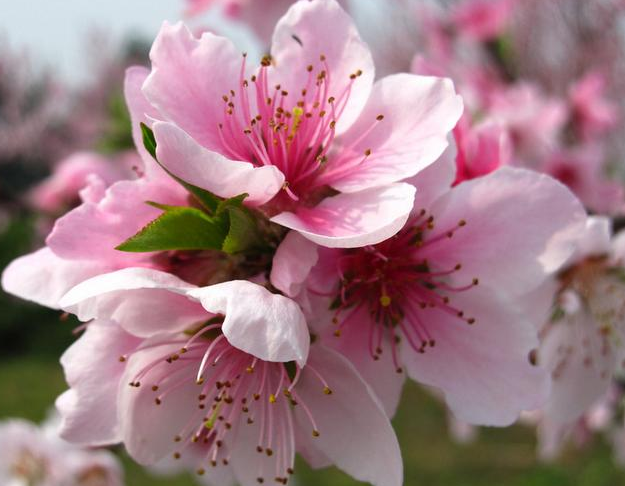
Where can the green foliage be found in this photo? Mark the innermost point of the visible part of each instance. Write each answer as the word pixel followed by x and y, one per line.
pixel 117 132
pixel 179 228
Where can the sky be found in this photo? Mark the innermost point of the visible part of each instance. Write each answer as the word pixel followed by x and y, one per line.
pixel 54 31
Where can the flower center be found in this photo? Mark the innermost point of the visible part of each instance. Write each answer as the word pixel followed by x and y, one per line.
pixel 397 286
pixel 234 389
pixel 294 131
pixel 30 466
pixel 597 289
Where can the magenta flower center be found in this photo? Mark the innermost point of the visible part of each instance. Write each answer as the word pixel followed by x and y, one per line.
pixel 398 287
pixel 294 131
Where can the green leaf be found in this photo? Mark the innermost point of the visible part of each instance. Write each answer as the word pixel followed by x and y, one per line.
pixel 207 199
pixel 242 231
pixel 149 142
pixel 179 228
pixel 236 202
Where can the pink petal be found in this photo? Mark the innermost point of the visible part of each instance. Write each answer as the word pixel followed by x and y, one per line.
pixel 43 277
pixel 520 226
pixel 268 326
pixel 419 112
pixel 93 370
pixel 141 111
pixel 188 79
pixel 380 374
pixel 311 29
pixel 355 433
pixel 483 369
pixel 149 429
pixel 143 301
pixel 188 160
pixel 93 230
pixel 436 179
pixel 353 220
pixel 578 383
pixel 294 259
pixel 594 240
pixel 247 463
pixel 70 176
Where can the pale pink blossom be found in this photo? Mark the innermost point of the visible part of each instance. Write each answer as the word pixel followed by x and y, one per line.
pixel 443 299
pixel 593 113
pixel 221 375
pixel 36 456
pixel 307 124
pixel 82 242
pixel 583 170
pixel 533 119
pixel 259 15
pixel 60 192
pixel 581 345
pixel 482 20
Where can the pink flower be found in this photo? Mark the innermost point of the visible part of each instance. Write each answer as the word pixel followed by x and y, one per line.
pixel 216 375
pixel 533 120
pixel 61 190
pixel 583 170
pixel 482 20
pixel 307 124
pixel 259 15
pixel 582 344
pixel 82 242
pixel 443 299
pixel 37 456
pixel 593 114
pixel 482 148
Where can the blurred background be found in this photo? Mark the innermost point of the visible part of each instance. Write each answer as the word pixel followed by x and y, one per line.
pixel 61 75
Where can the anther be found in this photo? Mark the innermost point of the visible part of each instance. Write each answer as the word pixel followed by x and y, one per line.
pixel 176 455
pixel 269 452
pixel 327 390
pixel 315 433
pixel 379 117
pixel 201 471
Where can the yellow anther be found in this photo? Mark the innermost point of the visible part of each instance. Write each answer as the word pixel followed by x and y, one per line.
pixel 298 112
pixel 385 300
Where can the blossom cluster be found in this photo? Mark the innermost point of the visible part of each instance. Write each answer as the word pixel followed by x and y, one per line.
pixel 296 237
